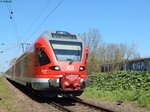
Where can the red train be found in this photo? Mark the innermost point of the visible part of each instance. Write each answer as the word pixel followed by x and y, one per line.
pixel 55 64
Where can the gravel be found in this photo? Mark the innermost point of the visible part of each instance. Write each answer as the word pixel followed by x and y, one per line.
pixel 118 106
pixel 26 104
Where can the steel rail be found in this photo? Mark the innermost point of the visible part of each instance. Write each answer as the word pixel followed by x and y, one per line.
pixel 60 107
pixel 93 106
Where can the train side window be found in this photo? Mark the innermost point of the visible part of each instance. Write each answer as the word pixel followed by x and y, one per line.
pixel 37 57
pixel 24 62
pixel 43 58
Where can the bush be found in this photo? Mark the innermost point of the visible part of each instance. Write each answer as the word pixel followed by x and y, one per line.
pixel 121 81
pixel 121 85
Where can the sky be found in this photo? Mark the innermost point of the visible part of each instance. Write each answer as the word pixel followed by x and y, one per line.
pixel 119 21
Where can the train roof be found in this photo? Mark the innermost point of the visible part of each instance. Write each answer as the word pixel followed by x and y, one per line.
pixel 60 35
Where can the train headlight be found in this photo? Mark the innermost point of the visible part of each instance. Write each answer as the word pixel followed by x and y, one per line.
pixel 81 68
pixel 57 68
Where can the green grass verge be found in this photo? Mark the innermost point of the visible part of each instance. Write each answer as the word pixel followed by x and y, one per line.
pixel 7 101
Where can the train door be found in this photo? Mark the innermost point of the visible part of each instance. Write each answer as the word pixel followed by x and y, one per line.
pixel 44 61
pixel 41 60
pixel 37 63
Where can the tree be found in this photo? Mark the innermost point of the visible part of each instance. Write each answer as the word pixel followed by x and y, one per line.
pixel 114 54
pixel 93 40
pixel 106 53
pixel 130 51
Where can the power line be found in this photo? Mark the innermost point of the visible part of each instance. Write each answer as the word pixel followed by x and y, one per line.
pixel 45 19
pixel 12 17
pixel 33 23
pixel 4 44
pixel 2 51
pixel 15 28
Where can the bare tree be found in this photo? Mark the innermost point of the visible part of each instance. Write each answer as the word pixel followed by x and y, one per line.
pixel 129 51
pixel 93 40
pixel 106 53
pixel 118 53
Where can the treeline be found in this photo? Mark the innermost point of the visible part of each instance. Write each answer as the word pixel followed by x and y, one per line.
pixel 100 52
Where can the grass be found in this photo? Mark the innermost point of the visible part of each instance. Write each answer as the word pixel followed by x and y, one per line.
pixel 140 97
pixel 6 102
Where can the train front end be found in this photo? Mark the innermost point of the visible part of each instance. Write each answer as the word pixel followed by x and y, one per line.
pixel 65 66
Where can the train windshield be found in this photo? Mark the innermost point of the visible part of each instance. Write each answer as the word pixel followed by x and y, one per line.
pixel 67 51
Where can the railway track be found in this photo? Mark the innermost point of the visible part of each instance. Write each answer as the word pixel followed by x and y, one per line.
pixel 76 105
pixel 63 104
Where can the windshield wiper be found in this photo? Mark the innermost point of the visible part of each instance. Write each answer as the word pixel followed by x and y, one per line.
pixel 71 61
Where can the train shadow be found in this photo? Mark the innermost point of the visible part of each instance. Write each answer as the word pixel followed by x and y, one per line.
pixel 40 98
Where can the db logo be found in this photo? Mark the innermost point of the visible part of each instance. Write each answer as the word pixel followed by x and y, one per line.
pixel 44 71
pixel 69 68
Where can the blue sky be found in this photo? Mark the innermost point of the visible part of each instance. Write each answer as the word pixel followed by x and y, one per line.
pixel 119 21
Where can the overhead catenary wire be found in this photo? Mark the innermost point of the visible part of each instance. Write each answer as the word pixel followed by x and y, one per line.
pixel 2 51
pixel 17 34
pixel 12 17
pixel 4 44
pixel 38 16
pixel 52 11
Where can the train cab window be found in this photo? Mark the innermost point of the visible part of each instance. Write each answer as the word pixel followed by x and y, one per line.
pixel 43 58
pixel 67 51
